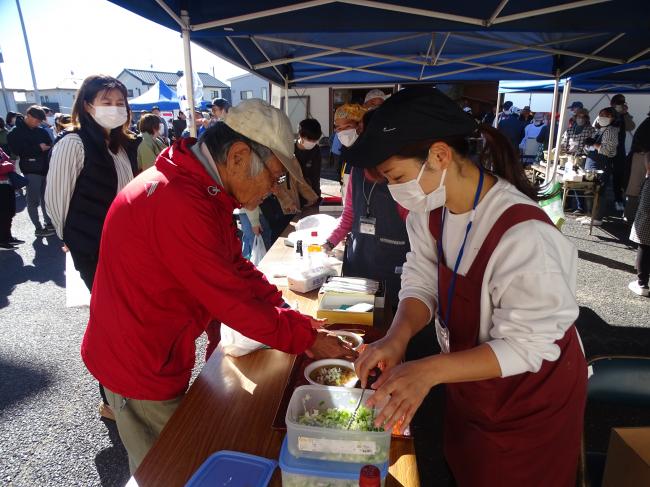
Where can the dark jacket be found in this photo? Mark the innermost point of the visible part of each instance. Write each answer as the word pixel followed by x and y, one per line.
pixel 641 139
pixel 25 142
pixel 513 129
pixel 310 162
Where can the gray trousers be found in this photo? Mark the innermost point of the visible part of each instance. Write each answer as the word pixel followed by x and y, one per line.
pixel 140 423
pixel 36 198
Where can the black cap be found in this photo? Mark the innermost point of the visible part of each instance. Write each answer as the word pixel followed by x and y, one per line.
pixel 409 116
pixel 507 105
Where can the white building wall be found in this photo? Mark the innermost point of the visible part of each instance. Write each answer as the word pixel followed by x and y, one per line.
pixel 258 86
pixel 133 83
pixel 319 104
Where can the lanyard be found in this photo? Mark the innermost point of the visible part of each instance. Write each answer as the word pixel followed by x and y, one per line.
pixel 369 197
pixel 452 286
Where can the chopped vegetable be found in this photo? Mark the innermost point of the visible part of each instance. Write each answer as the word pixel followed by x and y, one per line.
pixel 338 418
pixel 333 375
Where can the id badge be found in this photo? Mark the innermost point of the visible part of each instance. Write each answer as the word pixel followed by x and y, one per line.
pixel 442 334
pixel 367 225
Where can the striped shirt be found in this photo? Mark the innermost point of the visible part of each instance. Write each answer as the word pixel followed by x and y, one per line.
pixel 608 141
pixel 65 167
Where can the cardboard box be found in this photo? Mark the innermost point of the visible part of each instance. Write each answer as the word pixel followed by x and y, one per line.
pixel 628 458
pixel 329 302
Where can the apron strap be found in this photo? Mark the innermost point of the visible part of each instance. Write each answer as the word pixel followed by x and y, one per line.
pixel 514 215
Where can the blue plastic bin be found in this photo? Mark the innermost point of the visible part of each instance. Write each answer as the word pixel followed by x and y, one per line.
pixel 233 469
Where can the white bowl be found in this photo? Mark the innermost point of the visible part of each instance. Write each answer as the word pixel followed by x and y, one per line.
pixel 330 362
pixel 357 339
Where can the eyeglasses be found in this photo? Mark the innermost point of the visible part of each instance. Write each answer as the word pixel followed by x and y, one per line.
pixel 277 180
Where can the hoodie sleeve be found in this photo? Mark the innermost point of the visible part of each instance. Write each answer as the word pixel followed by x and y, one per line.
pixel 197 247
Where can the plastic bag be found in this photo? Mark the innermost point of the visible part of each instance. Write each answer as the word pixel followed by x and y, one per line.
pixel 259 250
pixel 235 344
pixel 553 206
pixel 76 292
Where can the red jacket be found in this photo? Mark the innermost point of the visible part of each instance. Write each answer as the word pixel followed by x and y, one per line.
pixel 169 262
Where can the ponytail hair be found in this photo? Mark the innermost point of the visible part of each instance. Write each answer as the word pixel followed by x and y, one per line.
pixel 497 156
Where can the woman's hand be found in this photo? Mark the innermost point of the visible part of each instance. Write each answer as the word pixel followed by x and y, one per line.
pixel 405 386
pixel 389 351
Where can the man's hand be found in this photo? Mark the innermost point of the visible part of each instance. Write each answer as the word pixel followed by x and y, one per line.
pixel 330 346
pixel 257 229
pixel 44 147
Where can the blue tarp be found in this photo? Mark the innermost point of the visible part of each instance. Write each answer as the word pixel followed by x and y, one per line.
pixel 159 95
pixel 412 41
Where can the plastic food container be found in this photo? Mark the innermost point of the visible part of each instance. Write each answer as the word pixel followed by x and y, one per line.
pixel 305 472
pixel 339 445
pixel 233 469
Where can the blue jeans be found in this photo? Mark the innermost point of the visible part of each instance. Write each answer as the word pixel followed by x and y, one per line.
pixel 248 236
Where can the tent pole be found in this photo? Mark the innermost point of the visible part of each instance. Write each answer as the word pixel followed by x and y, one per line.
pixel 500 97
pixel 189 81
pixel 286 95
pixel 558 139
pixel 551 132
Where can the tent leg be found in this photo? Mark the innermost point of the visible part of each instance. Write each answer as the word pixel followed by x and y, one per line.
pixel 558 139
pixel 500 98
pixel 551 133
pixel 286 96
pixel 187 55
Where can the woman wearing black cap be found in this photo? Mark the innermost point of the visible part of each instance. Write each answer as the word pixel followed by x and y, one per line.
pixel 499 279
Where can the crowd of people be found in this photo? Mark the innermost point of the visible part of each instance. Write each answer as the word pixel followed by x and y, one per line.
pixel 146 213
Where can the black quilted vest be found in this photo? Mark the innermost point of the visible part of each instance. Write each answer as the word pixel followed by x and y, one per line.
pixel 94 191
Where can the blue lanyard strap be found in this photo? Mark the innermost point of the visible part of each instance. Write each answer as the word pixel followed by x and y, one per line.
pixel 452 286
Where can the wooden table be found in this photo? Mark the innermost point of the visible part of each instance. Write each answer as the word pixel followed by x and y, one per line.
pixel 231 406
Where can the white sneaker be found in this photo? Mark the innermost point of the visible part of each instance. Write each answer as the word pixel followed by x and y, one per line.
pixel 582 218
pixel 636 288
pixel 588 221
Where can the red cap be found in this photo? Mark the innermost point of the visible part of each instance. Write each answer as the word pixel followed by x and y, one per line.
pixel 314 234
pixel 370 476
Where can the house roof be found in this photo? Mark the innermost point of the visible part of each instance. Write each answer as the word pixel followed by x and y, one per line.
pixel 170 79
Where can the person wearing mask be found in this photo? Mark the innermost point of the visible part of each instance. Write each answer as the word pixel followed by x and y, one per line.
pixel 48 124
pixel 526 115
pixel 347 121
pixel 573 143
pixel 374 98
pixel 601 152
pixel 374 225
pixel 640 234
pixel 573 109
pixel 7 204
pixel 625 123
pixel 219 108
pixel 31 144
pixel 511 126
pixel 179 125
pixel 10 120
pixel 151 144
pixel 529 145
pixel 171 262
pixel 308 153
pixel 3 136
pixel 164 128
pixel 498 278
pixel 639 152
pixel 88 167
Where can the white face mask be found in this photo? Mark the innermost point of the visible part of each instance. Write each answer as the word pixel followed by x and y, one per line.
pixel 110 117
pixel 411 196
pixel 308 144
pixel 50 121
pixel 618 108
pixel 603 121
pixel 348 136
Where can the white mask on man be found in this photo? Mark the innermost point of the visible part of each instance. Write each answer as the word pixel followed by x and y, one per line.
pixel 348 136
pixel 618 108
pixel 603 121
pixel 308 144
pixel 411 196
pixel 110 117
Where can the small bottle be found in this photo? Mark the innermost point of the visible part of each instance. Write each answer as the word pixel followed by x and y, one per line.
pixel 315 252
pixel 369 476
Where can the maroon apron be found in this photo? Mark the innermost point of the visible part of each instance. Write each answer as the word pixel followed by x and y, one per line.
pixel 523 430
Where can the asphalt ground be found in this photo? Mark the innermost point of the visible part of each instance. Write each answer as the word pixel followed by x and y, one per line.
pixel 50 431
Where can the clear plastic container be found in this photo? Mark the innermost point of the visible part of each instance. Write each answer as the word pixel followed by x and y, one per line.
pixel 305 472
pixel 339 445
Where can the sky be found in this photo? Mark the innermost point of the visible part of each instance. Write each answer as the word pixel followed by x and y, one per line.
pixel 84 37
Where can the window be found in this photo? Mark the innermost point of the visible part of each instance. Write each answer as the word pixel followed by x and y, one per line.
pixel 129 93
pixel 45 99
pixel 265 93
pixel 216 94
pixel 246 95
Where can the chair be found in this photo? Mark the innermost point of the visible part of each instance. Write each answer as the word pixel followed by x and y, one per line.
pixel 616 380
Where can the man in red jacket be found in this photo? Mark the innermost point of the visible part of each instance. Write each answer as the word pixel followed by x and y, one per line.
pixel 170 262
